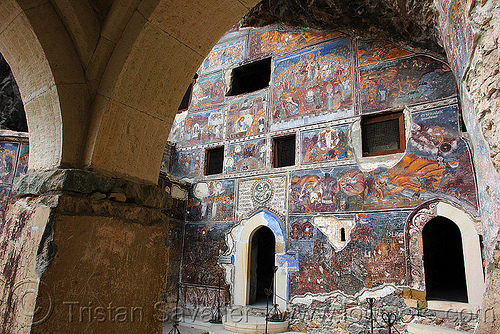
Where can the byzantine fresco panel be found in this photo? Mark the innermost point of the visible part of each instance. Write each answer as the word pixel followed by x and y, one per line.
pixel 246 156
pixel 211 201
pixel 279 41
pixel 206 241
pixel 456 32
pixel 437 164
pixel 326 144
pixel 8 159
pixel 203 127
pixel 316 83
pixel 374 254
pixel 208 91
pixel 405 82
pixel 327 190
pixel 247 116
pixel 176 132
pixel 187 163
pixel 22 164
pixel 224 55
pixel 370 52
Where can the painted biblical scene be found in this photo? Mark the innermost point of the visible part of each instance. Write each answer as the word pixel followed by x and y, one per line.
pixel 456 32
pixel 301 228
pixel 316 83
pixel 212 200
pixel 187 163
pixel 326 144
pixel 327 190
pixel 177 130
pixel 370 52
pixel 24 156
pixel 247 116
pixel 405 82
pixel 203 127
pixel 224 55
pixel 206 242
pixel 375 239
pixel 437 164
pixel 8 159
pixel 208 91
pixel 246 156
pixel 279 40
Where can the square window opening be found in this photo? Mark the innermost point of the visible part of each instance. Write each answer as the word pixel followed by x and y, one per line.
pixel 251 77
pixel 383 134
pixel 284 151
pixel 214 159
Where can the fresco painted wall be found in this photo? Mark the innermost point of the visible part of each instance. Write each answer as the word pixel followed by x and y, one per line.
pixel 343 215
pixel 14 157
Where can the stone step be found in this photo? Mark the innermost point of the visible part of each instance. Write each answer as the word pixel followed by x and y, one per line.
pixel 428 329
pixel 254 325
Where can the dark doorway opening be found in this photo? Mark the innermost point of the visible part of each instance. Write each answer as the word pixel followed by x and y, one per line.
pixel 262 254
pixel 444 261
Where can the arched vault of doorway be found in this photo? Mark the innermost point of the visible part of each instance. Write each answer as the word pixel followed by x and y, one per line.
pixel 470 244
pixel 241 236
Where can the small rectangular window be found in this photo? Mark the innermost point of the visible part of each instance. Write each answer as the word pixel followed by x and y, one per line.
pixel 383 134
pixel 284 151
pixel 251 77
pixel 214 160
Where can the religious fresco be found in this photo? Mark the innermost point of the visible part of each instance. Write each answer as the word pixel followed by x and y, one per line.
pixel 403 82
pixel 22 164
pixel 224 55
pixel 437 164
pixel 246 156
pixel 187 163
pixel 326 144
pixel 456 32
pixel 177 129
pixel 8 159
pixel 281 40
pixel 206 242
pixel 208 91
pixel 370 52
pixel 247 116
pixel 203 127
pixel 327 190
pixel 212 200
pixel 373 256
pixel 316 82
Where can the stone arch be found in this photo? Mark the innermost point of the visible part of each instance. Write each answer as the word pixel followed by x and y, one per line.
pixel 146 78
pixel 470 243
pixel 242 235
pixel 51 80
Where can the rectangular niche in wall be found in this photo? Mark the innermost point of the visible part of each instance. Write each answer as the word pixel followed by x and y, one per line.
pixel 284 151
pixel 383 134
pixel 251 77
pixel 214 159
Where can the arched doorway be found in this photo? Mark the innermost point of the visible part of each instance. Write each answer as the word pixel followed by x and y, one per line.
pixel 262 260
pixel 444 261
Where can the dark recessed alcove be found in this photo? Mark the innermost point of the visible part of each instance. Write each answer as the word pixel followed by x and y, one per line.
pixel 444 261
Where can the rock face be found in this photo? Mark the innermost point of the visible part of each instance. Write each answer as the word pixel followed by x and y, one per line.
pixel 409 22
pixel 12 116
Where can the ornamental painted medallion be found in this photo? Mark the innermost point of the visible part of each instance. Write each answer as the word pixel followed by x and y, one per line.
pixel 262 191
